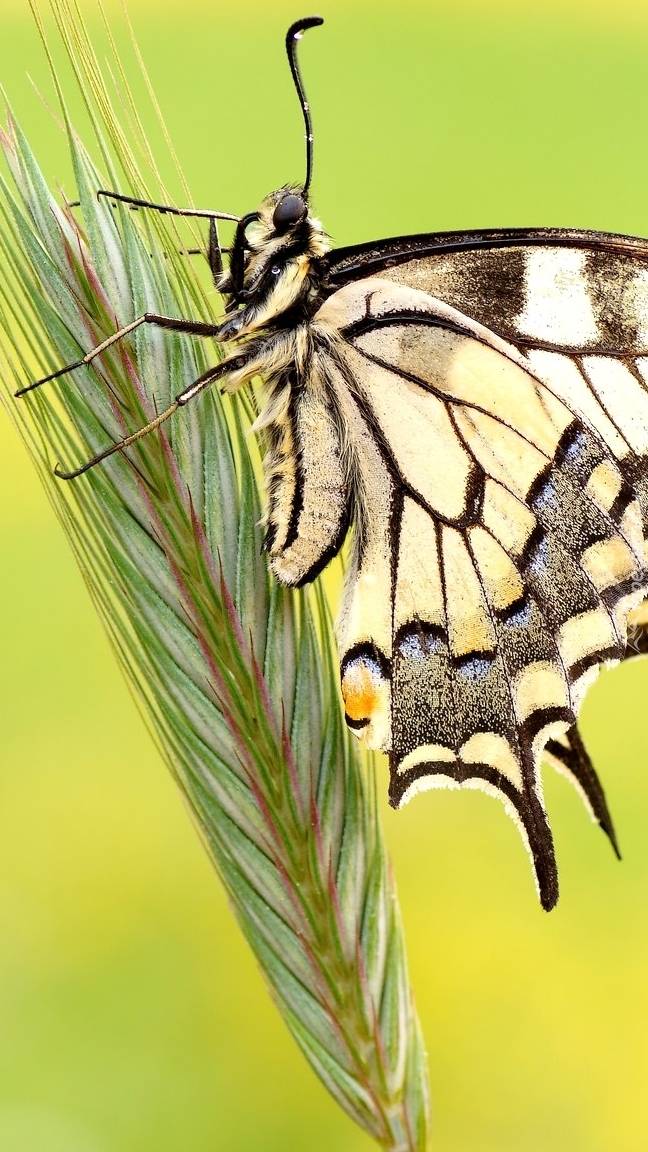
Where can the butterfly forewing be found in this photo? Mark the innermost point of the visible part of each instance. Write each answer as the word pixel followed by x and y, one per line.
pixel 569 289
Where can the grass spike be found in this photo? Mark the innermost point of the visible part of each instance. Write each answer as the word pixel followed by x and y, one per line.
pixel 234 676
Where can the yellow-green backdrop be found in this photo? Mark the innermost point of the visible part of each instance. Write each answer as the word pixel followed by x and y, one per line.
pixel 132 1018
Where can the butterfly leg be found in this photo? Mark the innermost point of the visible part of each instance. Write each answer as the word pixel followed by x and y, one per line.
pixel 165 209
pixel 189 327
pixel 181 399
pixel 240 368
pixel 214 251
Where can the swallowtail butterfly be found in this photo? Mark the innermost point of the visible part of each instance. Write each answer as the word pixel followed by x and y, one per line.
pixel 474 406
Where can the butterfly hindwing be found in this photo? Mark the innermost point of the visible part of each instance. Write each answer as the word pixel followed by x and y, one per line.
pixel 498 549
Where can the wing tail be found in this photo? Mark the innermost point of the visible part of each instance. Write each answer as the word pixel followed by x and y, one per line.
pixel 568 755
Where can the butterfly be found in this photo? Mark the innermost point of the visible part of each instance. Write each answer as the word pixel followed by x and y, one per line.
pixel 473 408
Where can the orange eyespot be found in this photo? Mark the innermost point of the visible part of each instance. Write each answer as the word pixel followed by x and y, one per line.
pixel 360 691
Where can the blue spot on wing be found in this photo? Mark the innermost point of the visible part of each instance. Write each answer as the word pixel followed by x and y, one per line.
pixel 370 664
pixel 520 617
pixel 547 499
pixel 475 668
pixel 576 448
pixel 419 645
pixel 540 558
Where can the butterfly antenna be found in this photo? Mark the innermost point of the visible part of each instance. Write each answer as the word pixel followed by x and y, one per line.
pixel 293 35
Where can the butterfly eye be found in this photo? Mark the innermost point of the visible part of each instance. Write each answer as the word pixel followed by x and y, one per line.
pixel 290 210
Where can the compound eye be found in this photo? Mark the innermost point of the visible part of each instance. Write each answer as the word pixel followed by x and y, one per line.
pixel 289 211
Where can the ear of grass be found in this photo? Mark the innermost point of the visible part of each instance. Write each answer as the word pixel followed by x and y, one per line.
pixel 235 675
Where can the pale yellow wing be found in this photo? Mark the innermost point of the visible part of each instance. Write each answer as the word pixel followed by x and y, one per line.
pixel 499 549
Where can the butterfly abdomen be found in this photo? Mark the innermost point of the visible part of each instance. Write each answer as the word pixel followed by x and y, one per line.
pixel 309 498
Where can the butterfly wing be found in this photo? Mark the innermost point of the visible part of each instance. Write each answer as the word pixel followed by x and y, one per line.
pixel 575 304
pixel 568 755
pixel 558 288
pixel 498 550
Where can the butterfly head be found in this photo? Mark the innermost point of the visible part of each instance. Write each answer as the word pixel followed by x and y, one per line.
pixel 275 262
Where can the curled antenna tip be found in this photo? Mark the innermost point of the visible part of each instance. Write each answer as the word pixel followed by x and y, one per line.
pixel 296 30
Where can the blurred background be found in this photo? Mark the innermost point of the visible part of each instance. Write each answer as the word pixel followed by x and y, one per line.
pixel 132 1018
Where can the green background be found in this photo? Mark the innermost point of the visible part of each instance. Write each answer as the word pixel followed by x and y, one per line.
pixel 131 1016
